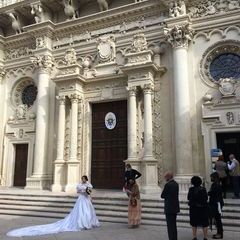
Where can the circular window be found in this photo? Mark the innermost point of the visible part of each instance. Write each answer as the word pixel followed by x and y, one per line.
pixel 222 60
pixel 110 121
pixel 225 66
pixel 29 95
pixel 24 93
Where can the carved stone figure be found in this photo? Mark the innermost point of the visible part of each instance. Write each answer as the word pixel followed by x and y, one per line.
pixel 15 23
pixel 139 43
pixel 40 42
pixel 21 111
pixel 210 9
pixel 233 4
pixel 226 86
pixel 177 9
pixel 69 9
pixel 70 57
pixel 179 35
pixel 230 117
pixel 38 13
pixel 103 5
pixel 106 49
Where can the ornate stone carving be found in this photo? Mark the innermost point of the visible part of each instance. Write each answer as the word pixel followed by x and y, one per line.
pixel 230 118
pixel 227 86
pixel 206 7
pixel 139 43
pixel 148 88
pixel 16 24
pixel 70 57
pixel 2 73
pixel 70 9
pixel 21 111
pixel 177 8
pixel 18 90
pixel 132 90
pixel 40 42
pixel 15 53
pixel 224 47
pixel 103 4
pixel 179 35
pixel 74 98
pixel 61 100
pixel 106 49
pixel 40 14
pixel 43 62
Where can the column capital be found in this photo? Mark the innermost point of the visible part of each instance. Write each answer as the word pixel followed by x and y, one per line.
pixel 61 99
pixel 43 63
pixel 74 98
pixel 148 88
pixel 2 73
pixel 132 90
pixel 179 36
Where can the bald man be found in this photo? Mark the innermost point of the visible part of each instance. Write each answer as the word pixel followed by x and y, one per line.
pixel 171 204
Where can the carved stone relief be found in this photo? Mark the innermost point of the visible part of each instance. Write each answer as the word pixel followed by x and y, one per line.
pixel 106 49
pixel 210 7
pixel 15 53
pixel 223 47
pixel 230 118
pixel 43 62
pixel 177 8
pixel 139 43
pixel 16 23
pixel 179 35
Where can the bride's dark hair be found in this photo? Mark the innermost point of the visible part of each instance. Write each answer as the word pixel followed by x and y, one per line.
pixel 85 176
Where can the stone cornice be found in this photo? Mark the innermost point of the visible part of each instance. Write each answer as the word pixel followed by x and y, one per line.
pixel 18 40
pixel 108 18
pixel 41 29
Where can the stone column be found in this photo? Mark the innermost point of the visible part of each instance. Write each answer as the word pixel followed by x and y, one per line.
pixel 179 36
pixel 43 65
pixel 2 107
pixel 132 124
pixel 59 164
pixel 148 136
pixel 149 163
pixel 73 163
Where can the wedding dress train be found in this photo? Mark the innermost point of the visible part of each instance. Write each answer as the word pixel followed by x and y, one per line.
pixel 81 217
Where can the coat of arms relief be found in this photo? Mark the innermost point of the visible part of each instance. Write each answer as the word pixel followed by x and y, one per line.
pixel 106 49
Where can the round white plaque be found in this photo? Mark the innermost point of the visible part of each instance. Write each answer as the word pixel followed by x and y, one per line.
pixel 110 121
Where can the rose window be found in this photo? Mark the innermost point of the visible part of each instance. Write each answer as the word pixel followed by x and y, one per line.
pixel 29 95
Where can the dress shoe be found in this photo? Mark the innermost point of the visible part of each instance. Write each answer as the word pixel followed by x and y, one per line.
pixel 217 236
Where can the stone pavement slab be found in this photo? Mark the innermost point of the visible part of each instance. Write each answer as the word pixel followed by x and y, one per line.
pixel 107 231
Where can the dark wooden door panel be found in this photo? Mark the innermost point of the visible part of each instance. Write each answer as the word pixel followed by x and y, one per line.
pixel 20 165
pixel 109 147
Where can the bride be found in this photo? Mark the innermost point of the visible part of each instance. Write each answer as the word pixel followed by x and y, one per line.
pixel 81 217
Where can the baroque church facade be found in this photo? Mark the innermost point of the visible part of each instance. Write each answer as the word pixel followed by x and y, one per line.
pixel 87 85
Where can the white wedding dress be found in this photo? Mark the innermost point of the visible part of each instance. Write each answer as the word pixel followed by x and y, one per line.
pixel 81 217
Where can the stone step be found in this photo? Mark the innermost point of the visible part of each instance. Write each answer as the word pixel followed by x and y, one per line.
pixel 109 208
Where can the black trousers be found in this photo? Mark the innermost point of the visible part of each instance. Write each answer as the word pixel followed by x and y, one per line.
pixel 171 220
pixel 219 223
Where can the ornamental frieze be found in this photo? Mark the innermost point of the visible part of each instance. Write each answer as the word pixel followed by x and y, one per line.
pixel 207 8
pixel 15 53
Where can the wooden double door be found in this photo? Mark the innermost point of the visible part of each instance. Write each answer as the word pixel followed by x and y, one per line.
pixel 109 146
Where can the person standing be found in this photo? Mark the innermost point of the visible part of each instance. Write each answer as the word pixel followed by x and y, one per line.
pixel 134 204
pixel 130 173
pixel 198 207
pixel 216 204
pixel 171 204
pixel 221 167
pixel 81 217
pixel 234 171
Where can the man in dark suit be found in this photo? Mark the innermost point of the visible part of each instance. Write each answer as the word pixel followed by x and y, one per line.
pixel 171 204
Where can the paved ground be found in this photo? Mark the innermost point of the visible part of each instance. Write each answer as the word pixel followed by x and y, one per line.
pixel 108 231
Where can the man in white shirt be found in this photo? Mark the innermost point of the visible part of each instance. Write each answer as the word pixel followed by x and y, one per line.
pixel 234 171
